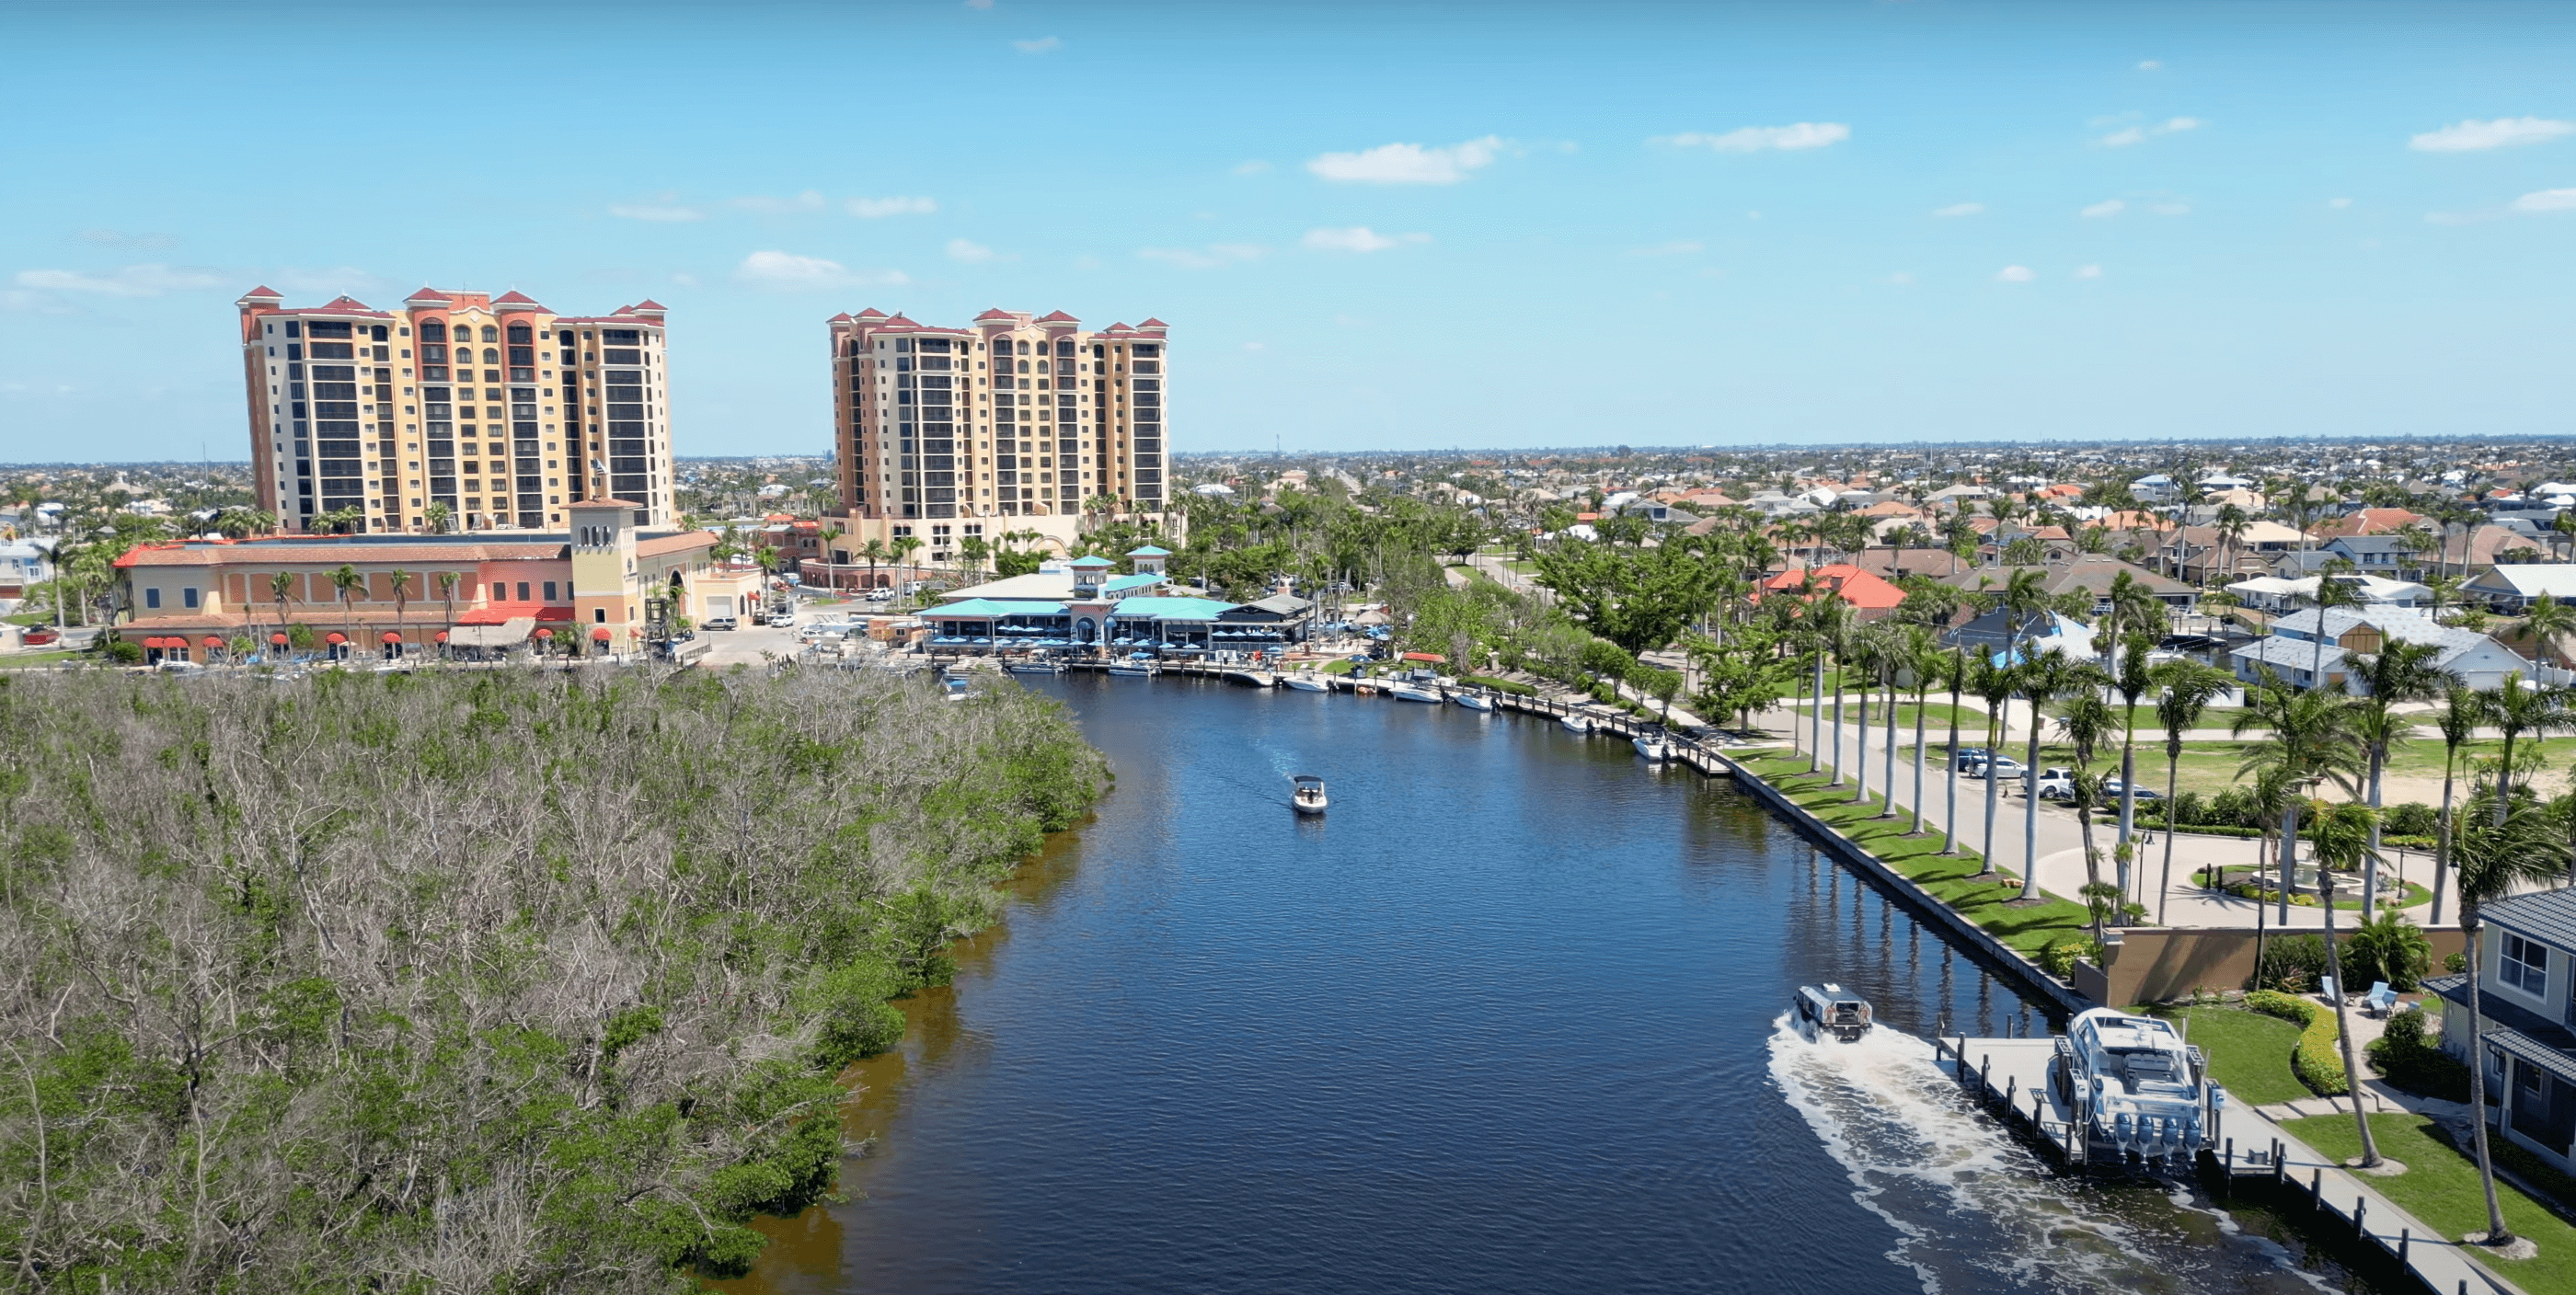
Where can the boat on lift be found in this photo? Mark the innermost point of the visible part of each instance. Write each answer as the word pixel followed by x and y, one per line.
pixel 1308 798
pixel 1307 681
pixel 2136 1089
pixel 1830 1011
pixel 1653 746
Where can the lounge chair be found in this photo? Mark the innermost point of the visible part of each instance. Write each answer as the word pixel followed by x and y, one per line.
pixel 2380 999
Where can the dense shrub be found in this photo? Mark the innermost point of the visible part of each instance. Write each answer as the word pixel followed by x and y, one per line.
pixel 2313 1060
pixel 2414 818
pixel 2407 1055
pixel 2291 962
pixel 2058 957
pixel 2390 948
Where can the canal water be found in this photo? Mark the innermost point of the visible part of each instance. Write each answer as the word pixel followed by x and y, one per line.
pixel 1508 1018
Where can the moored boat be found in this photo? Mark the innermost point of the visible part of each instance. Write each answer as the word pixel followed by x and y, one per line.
pixel 1578 725
pixel 2135 1088
pixel 1830 1010
pixel 1409 691
pixel 1308 798
pixel 1473 700
pixel 1035 667
pixel 1306 681
pixel 1652 746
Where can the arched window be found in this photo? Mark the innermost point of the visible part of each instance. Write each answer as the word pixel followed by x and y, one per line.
pixel 491 355
pixel 433 331
pixel 491 334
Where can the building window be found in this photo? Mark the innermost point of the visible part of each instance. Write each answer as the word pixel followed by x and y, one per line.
pixel 2526 965
pixel 151 597
pixel 550 591
pixel 188 598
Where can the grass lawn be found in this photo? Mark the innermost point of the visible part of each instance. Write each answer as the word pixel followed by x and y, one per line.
pixel 2440 1186
pixel 2249 1053
pixel 2209 767
pixel 1919 858
pixel 1936 722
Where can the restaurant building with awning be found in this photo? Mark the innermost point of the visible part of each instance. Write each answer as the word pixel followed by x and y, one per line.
pixel 392 595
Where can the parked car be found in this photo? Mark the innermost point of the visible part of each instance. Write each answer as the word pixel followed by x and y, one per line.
pixel 880 595
pixel 722 623
pixel 2002 768
pixel 2056 784
pixel 2145 793
pixel 1966 756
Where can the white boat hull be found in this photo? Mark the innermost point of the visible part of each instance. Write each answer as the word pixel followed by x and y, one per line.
pixel 1653 751
pixel 1310 806
pixel 1474 701
pixel 1407 692
pixel 1133 671
pixel 1303 683
pixel 1578 725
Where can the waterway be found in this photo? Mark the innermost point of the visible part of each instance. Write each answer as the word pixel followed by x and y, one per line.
pixel 1508 1018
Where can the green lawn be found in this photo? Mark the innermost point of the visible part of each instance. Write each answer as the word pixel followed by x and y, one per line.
pixel 2249 1053
pixel 25 660
pixel 1919 858
pixel 1936 722
pixel 2440 1186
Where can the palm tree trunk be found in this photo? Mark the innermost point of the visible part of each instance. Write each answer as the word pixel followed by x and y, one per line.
pixel 1861 773
pixel 1950 816
pixel 1816 720
pixel 2442 842
pixel 2030 811
pixel 2286 852
pixel 2496 1233
pixel 2351 1066
pixel 1996 733
pixel 2128 796
pixel 2504 779
pixel 1839 666
pixel 1920 694
pixel 2164 883
pixel 1887 784
pixel 2370 861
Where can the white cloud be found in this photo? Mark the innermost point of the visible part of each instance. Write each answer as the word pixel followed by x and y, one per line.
pixel 126 281
pixel 789 272
pixel 1902 278
pixel 1754 139
pixel 1960 209
pixel 2106 207
pixel 979 4
pixel 765 205
pixel 664 208
pixel 1255 167
pixel 2140 134
pixel 1358 238
pixel 2015 274
pixel 1349 321
pixel 2503 132
pixel 872 208
pixel 1408 163
pixel 1679 247
pixel 962 250
pixel 1041 45
pixel 1213 257
pixel 2088 272
pixel 2545 200
pixel 2149 65
pixel 2338 203
pixel 2172 209
pixel 17 301
pixel 684 279
pixel 1252 346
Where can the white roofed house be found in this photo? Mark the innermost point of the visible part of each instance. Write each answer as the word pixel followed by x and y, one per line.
pixel 2511 588
pixel 2292 650
pixel 2275 594
pixel 2528 961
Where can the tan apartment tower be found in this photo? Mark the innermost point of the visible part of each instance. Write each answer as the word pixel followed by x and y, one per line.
pixel 461 411
pixel 1015 424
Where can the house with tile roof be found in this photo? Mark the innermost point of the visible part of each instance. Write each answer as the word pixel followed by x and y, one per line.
pixel 2526 980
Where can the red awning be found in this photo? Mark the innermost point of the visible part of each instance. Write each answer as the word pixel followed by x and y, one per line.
pixel 213 642
pixel 278 639
pixel 600 633
pixel 151 642
pixel 335 637
pixel 1432 657
pixel 544 633
pixel 391 637
pixel 442 636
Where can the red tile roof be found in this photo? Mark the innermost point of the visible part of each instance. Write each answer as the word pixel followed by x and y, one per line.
pixel 263 293
pixel 514 297
pixel 344 304
pixel 872 313
pixel 427 294
pixel 898 321
pixel 1153 323
pixel 1059 317
pixel 1862 589
pixel 995 313
pixel 842 318
pixel 649 304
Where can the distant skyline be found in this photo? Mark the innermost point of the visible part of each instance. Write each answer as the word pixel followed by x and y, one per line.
pixel 1370 226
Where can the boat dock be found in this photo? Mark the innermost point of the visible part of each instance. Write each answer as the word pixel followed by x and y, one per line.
pixel 2009 1078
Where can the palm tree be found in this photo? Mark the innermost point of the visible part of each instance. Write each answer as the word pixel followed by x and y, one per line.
pixel 2048 676
pixel 2187 689
pixel 1869 656
pixel 831 559
pixel 1995 684
pixel 2463 709
pixel 874 551
pixel 2345 835
pixel 1925 660
pixel 1954 675
pixel 1827 617
pixel 344 582
pixel 2406 672
pixel 2551 622
pixel 401 581
pixel 2135 676
pixel 2233 523
pixel 903 548
pixel 2086 721
pixel 2516 710
pixel 438 515
pixel 2331 593
pixel 281 587
pixel 971 552
pixel 2518 848
pixel 2313 738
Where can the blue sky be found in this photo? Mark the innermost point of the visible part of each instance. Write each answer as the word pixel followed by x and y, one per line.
pixel 1370 226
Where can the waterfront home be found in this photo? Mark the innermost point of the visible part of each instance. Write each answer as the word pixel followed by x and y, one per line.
pixel 2512 589
pixel 2087 573
pixel 1870 595
pixel 2037 634
pixel 2292 653
pixel 2527 973
pixel 24 563
pixel 2275 594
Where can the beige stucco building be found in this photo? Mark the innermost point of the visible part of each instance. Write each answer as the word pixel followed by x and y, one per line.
pixel 1014 424
pixel 461 409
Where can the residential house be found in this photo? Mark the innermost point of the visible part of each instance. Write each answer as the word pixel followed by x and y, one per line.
pixel 2371 521
pixel 2512 588
pixel 2526 972
pixel 2037 634
pixel 2293 654
pixel 2378 555
pixel 2202 555
pixel 2090 573
pixel 1869 595
pixel 2278 594
pixel 24 563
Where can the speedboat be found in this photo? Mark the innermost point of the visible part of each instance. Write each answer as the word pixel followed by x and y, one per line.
pixel 1306 681
pixel 1035 667
pixel 1134 669
pixel 1309 796
pixel 1829 1009
pixel 1407 690
pixel 1652 746
pixel 1578 725
pixel 2136 1089
pixel 1473 700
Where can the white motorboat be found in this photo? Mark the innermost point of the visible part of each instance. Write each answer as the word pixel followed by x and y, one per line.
pixel 1035 667
pixel 1829 1009
pixel 1309 795
pixel 1578 725
pixel 1473 700
pixel 1133 670
pixel 1307 681
pixel 1408 691
pixel 1652 746
pixel 2136 1089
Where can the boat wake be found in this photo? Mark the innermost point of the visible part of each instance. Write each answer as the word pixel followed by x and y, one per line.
pixel 1972 1208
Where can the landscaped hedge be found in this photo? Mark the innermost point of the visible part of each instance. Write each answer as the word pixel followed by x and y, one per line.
pixel 1501 685
pixel 2411 1060
pixel 2313 1060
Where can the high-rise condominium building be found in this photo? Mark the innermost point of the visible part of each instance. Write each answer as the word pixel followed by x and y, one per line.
pixel 940 432
pixel 460 410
